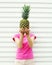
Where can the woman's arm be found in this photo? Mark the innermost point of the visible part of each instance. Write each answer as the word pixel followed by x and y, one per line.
pixel 19 41
pixel 30 40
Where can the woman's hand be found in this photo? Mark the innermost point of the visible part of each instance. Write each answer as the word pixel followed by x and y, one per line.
pixel 27 31
pixel 22 30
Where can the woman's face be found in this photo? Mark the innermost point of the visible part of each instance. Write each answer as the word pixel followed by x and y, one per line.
pixel 24 29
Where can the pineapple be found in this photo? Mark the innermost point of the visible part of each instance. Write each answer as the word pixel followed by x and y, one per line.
pixel 24 23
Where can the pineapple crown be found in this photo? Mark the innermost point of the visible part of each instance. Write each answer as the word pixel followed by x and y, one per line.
pixel 25 13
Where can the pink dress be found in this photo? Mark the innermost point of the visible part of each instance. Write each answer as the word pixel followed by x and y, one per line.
pixel 25 52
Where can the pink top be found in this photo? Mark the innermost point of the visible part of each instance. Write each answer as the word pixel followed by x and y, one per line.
pixel 25 52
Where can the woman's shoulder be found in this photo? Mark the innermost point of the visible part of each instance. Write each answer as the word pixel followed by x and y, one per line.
pixel 16 35
pixel 33 35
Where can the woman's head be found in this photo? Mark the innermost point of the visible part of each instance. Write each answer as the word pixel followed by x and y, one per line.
pixel 24 30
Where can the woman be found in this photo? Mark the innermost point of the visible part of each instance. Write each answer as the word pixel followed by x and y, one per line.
pixel 24 41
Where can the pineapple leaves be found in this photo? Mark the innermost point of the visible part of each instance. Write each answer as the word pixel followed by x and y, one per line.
pixel 26 8
pixel 25 13
pixel 24 23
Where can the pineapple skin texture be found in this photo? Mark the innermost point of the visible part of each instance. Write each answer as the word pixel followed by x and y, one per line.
pixel 24 23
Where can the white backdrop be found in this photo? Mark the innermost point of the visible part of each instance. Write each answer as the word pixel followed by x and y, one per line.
pixel 40 24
